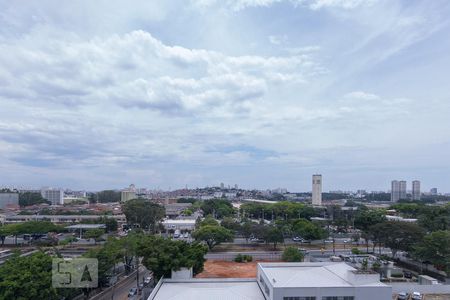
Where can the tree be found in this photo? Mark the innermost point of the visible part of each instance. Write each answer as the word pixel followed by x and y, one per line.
pixel 31 198
pixel 308 230
pixel 209 220
pixel 399 235
pixel 212 235
pixel 218 208
pixel 144 213
pixel 292 254
pixel 246 230
pixel 274 235
pixel 105 196
pixel 94 234
pixel 365 219
pixel 435 247
pixel 231 224
pixel 111 224
pixel 30 277
pixel 164 255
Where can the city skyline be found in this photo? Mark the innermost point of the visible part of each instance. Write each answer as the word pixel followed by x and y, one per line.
pixel 258 93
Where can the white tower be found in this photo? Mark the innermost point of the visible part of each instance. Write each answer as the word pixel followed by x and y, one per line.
pixel 317 190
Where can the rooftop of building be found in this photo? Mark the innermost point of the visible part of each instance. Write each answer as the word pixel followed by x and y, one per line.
pixel 322 274
pixel 199 289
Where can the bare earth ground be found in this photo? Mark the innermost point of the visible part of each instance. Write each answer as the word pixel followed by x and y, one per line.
pixel 228 269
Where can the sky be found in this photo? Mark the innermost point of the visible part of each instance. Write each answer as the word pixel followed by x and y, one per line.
pixel 259 93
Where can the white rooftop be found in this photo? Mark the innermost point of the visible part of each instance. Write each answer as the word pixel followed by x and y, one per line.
pixel 179 221
pixel 217 289
pixel 314 275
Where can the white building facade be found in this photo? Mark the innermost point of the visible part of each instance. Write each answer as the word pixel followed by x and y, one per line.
pixel 55 196
pixel 416 190
pixel 281 281
pixel 317 189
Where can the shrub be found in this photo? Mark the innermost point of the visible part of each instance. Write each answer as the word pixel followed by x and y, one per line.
pixel 356 251
pixel 248 258
pixel 243 258
pixel 292 254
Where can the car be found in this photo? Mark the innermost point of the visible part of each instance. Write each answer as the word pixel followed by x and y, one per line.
pixel 297 239
pixel 407 274
pixel 256 240
pixel 147 280
pixel 186 235
pixel 416 296
pixel 133 292
pixel 402 296
pixel 329 241
pixel 303 250
pixel 141 285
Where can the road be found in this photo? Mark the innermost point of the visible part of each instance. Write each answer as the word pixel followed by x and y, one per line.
pixel 122 288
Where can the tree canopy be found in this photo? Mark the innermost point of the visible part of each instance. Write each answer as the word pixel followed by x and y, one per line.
pixel 218 208
pixel 212 235
pixel 435 248
pixel 292 254
pixel 31 198
pixel 144 213
pixel 399 235
pixel 30 277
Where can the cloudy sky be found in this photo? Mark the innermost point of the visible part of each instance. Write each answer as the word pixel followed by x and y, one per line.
pixel 262 93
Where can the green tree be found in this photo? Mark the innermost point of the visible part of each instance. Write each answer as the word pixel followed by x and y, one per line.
pixel 218 208
pixel 212 235
pixel 308 230
pixel 30 198
pixel 144 213
pixel 273 235
pixel 292 254
pixel 209 220
pixel 231 224
pixel 105 196
pixel 435 247
pixel 94 234
pixel 164 255
pixel 400 235
pixel 29 277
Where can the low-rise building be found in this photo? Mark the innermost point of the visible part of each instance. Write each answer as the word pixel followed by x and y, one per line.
pixel 179 224
pixel 282 281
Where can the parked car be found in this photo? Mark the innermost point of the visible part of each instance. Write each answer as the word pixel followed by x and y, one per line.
pixel 147 280
pixel 186 235
pixel 297 239
pixel 402 296
pixel 133 292
pixel 407 274
pixel 416 296
pixel 303 250
pixel 256 240
pixel 328 241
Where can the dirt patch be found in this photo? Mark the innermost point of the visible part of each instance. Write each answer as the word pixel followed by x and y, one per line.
pixel 228 269
pixel 437 297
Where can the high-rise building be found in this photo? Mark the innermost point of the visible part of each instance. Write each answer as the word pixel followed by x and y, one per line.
pixel 317 189
pixel 398 190
pixel 402 184
pixel 416 190
pixel 222 185
pixel 55 196
pixel 126 195
pixel 395 191
pixel 9 199
pixel 433 191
